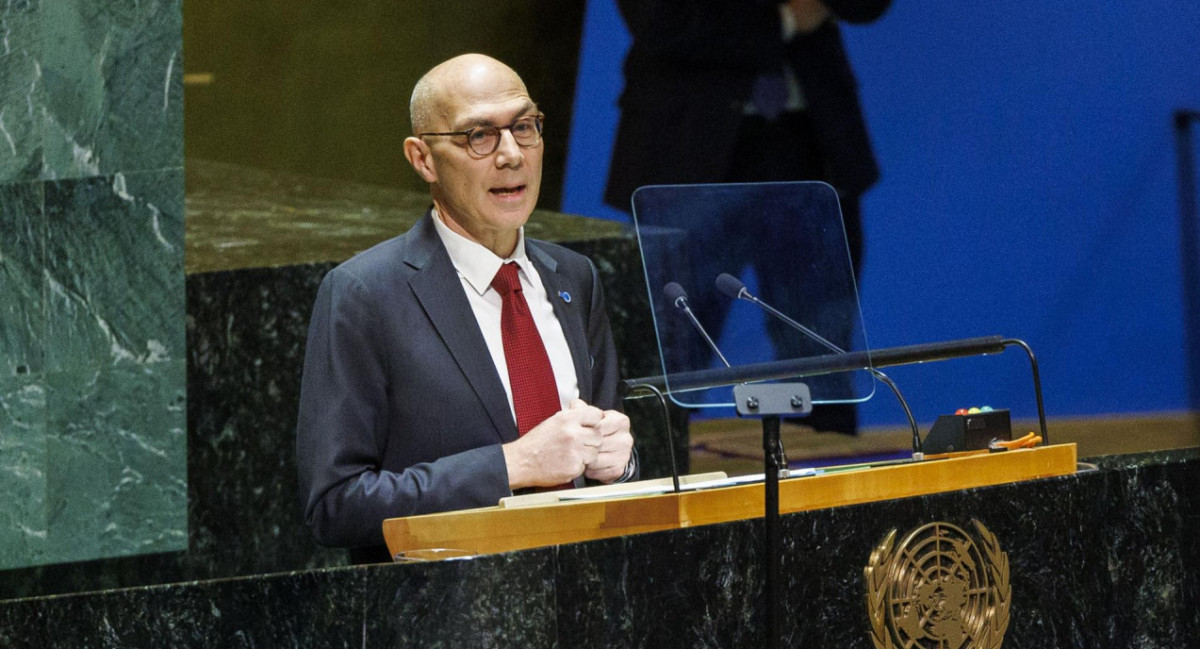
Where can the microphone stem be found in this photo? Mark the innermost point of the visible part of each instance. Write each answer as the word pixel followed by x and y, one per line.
pixel 662 400
pixel 703 332
pixel 795 325
pixel 917 446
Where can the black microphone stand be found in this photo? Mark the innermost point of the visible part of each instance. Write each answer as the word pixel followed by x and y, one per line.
pixel 666 412
pixel 769 401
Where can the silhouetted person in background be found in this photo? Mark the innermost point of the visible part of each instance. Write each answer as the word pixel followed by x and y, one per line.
pixel 727 91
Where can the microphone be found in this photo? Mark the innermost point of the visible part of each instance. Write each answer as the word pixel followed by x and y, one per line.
pixel 734 288
pixel 678 298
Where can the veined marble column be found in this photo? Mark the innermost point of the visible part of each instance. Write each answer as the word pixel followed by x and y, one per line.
pixel 92 358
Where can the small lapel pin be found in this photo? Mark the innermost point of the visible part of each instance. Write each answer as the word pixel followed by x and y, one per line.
pixel 565 296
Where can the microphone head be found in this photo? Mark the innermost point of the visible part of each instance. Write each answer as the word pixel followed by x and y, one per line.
pixel 730 285
pixel 675 293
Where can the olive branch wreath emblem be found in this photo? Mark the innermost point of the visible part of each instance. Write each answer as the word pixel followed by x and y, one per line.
pixel 982 628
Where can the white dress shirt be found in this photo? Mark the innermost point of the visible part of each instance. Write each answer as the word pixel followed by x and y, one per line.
pixel 477 266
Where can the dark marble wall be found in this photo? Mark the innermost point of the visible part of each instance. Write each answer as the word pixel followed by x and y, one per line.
pixel 1099 559
pixel 92 448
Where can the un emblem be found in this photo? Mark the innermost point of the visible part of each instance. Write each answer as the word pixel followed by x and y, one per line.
pixel 938 589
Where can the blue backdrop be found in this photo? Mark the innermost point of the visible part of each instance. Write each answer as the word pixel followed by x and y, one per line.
pixel 1029 190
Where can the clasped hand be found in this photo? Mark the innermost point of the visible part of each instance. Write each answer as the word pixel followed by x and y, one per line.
pixel 580 440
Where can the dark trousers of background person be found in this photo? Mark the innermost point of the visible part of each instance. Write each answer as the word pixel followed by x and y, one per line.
pixel 786 149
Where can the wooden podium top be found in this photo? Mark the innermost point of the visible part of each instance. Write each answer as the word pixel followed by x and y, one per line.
pixel 553 522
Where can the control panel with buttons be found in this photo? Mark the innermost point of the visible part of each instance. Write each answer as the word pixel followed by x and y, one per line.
pixel 968 429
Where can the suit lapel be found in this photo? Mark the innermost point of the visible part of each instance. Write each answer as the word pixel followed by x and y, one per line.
pixel 569 314
pixel 439 291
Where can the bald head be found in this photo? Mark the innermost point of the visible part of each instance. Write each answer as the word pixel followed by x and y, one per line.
pixel 442 88
pixel 485 196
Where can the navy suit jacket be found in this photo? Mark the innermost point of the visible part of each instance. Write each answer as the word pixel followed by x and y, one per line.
pixel 402 411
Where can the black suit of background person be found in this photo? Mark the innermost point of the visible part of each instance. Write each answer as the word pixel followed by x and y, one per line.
pixel 688 114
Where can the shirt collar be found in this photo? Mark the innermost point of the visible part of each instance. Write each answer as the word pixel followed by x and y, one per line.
pixel 475 262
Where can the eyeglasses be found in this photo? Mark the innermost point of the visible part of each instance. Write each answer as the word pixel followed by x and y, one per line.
pixel 484 140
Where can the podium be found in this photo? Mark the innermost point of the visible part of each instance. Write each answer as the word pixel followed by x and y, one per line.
pixel 555 522
pixel 1103 557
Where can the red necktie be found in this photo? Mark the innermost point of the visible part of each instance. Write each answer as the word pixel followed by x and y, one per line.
pixel 534 391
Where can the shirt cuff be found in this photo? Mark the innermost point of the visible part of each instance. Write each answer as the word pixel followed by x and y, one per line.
pixel 631 468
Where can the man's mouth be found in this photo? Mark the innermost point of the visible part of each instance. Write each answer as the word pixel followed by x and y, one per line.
pixel 504 192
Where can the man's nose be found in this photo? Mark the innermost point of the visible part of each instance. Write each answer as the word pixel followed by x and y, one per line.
pixel 508 153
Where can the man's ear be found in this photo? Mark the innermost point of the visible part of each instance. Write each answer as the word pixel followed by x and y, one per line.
pixel 421 158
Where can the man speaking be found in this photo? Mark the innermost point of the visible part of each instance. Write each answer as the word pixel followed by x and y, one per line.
pixel 458 362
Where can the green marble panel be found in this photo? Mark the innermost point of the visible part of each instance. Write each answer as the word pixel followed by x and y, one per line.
pixel 21 96
pixel 112 73
pixel 114 270
pixel 116 482
pixel 92 369
pixel 22 472
pixel 22 241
